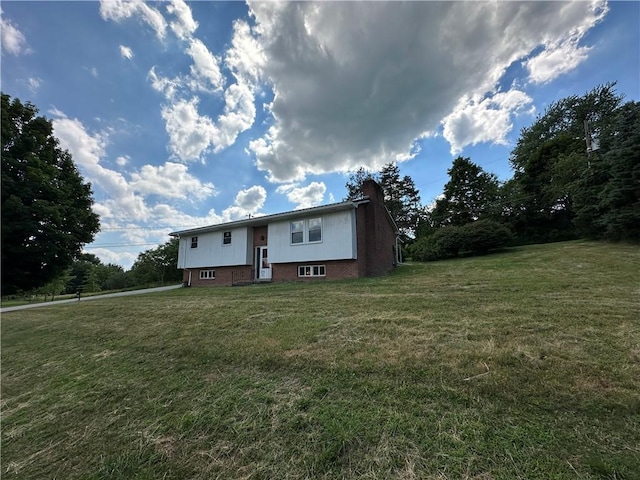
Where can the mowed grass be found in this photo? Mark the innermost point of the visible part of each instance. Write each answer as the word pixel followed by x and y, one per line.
pixel 524 364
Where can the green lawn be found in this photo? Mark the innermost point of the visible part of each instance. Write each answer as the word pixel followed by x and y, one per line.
pixel 524 364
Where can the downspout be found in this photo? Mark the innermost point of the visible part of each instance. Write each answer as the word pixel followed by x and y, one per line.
pixel 398 252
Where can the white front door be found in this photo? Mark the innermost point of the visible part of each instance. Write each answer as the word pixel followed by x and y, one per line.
pixel 263 267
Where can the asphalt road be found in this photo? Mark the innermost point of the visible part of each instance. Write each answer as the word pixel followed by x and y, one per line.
pixel 87 299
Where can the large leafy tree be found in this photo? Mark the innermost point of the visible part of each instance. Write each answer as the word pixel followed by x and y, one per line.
pixel 551 155
pixel 470 194
pixel 401 196
pixel 46 205
pixel 158 265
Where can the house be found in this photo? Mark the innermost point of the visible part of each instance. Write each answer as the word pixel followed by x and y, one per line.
pixel 342 240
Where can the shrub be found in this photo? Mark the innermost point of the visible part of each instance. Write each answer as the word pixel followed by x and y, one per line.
pixel 444 243
pixel 483 235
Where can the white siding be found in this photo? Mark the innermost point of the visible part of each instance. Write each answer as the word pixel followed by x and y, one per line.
pixel 338 240
pixel 212 253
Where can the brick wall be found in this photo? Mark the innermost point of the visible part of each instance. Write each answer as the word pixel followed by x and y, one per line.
pixel 334 270
pixel 224 276
pixel 376 233
pixel 259 237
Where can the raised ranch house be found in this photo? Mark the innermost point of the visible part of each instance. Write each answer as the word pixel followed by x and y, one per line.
pixel 342 240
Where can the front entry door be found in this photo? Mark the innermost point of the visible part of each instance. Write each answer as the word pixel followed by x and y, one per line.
pixel 263 267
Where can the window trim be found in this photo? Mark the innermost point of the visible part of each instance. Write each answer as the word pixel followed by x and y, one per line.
pixel 207 274
pixel 309 271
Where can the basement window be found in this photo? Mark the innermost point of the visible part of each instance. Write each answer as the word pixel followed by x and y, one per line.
pixel 207 274
pixel 311 271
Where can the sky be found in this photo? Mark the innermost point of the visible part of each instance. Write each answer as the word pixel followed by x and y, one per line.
pixel 190 114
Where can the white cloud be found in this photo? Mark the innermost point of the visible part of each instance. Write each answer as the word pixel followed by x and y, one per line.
pixel 555 61
pixel 304 197
pixel 562 52
pixel 118 10
pixel 190 133
pixel 171 180
pixel 33 83
pixel 245 58
pixel 126 52
pixel 488 119
pixel 13 40
pixel 248 202
pixel 184 25
pixel 122 161
pixel 239 115
pixel 205 69
pixel 358 83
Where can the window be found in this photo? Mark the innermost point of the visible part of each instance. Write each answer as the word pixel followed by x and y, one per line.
pixel 306 231
pixel 194 242
pixel 226 238
pixel 297 231
pixel 207 274
pixel 311 271
pixel 315 230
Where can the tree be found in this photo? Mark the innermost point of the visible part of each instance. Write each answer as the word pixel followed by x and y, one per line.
pixel 551 155
pixel 354 184
pixel 469 195
pixel 46 206
pixel 158 265
pixel 401 196
pixel 618 207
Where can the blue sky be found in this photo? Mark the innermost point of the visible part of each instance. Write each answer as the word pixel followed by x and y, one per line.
pixel 187 114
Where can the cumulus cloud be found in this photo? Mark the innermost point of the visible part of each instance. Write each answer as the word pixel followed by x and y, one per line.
pixel 488 119
pixel 171 180
pixel 126 52
pixel 562 52
pixel 205 70
pixel 190 134
pixel 554 61
pixel 357 84
pixel 184 25
pixel 304 197
pixel 13 40
pixel 118 10
pixel 247 203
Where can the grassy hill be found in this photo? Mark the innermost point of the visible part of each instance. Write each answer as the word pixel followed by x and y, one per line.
pixel 524 364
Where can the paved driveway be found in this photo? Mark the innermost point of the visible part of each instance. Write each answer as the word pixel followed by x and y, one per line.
pixel 86 299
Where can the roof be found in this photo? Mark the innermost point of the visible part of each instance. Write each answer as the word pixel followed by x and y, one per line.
pixel 266 219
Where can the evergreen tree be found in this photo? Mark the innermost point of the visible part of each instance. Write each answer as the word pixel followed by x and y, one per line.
pixel 401 196
pixel 470 194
